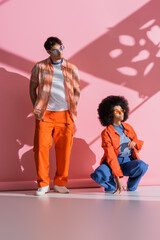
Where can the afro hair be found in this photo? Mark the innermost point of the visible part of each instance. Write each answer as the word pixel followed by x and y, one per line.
pixel 106 109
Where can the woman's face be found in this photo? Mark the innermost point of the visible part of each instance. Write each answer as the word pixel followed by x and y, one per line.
pixel 118 114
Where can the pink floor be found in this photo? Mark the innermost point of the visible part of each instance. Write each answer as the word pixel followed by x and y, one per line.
pixel 84 214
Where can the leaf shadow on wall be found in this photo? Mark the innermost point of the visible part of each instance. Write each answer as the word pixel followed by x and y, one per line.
pixel 128 54
pixel 82 160
pixel 17 128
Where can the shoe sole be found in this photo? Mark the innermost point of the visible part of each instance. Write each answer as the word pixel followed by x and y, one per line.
pixel 60 192
pixel 38 195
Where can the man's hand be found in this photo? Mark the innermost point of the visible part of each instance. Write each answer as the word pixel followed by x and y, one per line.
pixel 131 144
pixel 37 113
pixel 119 185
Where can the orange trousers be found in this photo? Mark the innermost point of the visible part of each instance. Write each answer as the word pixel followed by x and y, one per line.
pixel 60 126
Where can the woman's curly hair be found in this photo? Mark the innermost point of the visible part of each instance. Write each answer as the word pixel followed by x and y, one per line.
pixel 106 109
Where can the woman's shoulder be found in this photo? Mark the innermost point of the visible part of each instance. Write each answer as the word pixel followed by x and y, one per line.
pixel 108 130
pixel 127 126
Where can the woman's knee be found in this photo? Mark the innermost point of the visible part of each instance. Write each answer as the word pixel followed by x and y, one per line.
pixel 102 173
pixel 142 166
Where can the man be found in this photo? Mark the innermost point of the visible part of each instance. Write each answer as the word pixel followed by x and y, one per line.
pixel 55 102
pixel 120 144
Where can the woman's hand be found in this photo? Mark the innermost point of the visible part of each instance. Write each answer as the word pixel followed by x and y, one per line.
pixel 131 144
pixel 119 185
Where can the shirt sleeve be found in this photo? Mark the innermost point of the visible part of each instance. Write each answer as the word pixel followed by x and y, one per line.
pixel 76 86
pixel 35 74
pixel 139 143
pixel 110 155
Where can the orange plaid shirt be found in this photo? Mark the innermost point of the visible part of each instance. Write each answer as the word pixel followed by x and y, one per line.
pixel 42 74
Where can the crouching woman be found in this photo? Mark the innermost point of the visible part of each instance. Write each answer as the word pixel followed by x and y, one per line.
pixel 121 145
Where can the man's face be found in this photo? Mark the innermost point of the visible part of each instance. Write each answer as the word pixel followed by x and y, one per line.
pixel 118 113
pixel 56 52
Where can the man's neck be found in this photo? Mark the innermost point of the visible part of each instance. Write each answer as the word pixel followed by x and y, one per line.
pixel 56 60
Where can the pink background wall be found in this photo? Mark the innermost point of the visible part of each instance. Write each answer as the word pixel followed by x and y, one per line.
pixel 116 46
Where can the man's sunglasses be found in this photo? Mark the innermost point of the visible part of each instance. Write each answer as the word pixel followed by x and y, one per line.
pixel 56 51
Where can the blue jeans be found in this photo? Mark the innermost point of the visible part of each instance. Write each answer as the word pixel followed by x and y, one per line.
pixel 133 168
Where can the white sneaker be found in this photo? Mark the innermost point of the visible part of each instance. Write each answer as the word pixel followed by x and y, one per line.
pixel 42 190
pixel 60 189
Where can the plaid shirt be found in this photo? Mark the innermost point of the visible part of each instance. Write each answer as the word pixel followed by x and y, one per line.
pixel 42 74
